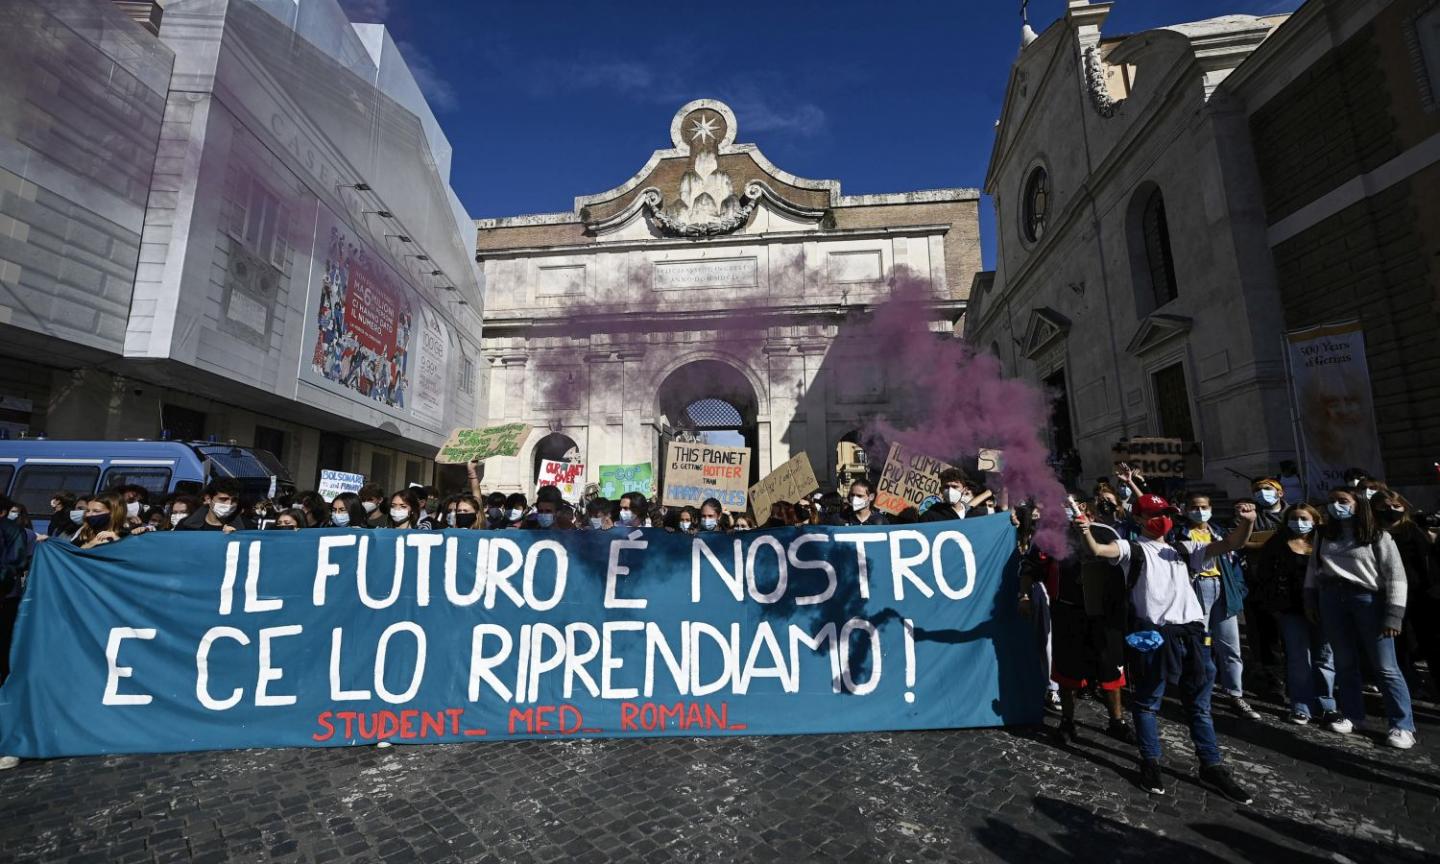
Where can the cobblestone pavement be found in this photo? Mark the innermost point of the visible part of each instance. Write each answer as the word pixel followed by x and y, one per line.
pixel 1005 795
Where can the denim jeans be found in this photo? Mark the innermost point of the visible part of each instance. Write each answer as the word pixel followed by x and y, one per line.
pixel 1224 637
pixel 1040 605
pixel 1352 618
pixel 1197 677
pixel 1309 665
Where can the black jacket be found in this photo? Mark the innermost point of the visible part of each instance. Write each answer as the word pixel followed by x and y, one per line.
pixel 849 518
pixel 941 512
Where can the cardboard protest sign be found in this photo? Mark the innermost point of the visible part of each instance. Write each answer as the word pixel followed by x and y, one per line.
pixel 694 472
pixel 199 640
pixel 569 477
pixel 333 483
pixel 616 480
pixel 465 445
pixel 789 482
pixel 910 479
pixel 1161 457
pixel 990 460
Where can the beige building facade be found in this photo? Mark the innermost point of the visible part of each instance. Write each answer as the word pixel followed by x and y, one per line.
pixel 705 297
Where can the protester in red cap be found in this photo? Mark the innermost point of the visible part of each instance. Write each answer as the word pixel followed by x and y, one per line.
pixel 1165 610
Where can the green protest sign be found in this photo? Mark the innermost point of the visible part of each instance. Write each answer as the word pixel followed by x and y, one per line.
pixel 616 480
pixel 466 445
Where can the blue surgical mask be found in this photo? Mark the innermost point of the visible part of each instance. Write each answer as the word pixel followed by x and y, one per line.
pixel 709 523
pixel 544 520
pixel 340 519
pixel 1301 526
pixel 1267 496
pixel 1125 491
pixel 1199 515
pixel 596 523
pixel 1341 511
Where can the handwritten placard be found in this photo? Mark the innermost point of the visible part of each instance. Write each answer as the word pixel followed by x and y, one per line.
pixel 465 445
pixel 910 479
pixel 694 472
pixel 791 480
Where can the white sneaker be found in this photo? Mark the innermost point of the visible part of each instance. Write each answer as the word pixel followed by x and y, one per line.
pixel 1400 739
pixel 1340 725
pixel 7 762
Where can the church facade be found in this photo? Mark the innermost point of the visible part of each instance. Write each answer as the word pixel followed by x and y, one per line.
pixel 705 298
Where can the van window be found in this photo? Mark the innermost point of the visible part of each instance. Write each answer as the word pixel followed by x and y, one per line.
pixel 35 484
pixel 155 479
pixel 6 472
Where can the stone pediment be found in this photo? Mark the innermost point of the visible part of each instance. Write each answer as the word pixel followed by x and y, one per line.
pixel 1156 330
pixel 1046 327
pixel 706 184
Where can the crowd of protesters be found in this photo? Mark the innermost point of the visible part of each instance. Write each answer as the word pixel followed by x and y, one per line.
pixel 1152 597
pixel 1147 597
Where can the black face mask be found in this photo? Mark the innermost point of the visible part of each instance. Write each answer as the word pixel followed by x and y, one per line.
pixel 462 520
pixel 97 521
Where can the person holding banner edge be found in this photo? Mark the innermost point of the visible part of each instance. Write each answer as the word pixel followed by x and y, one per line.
pixel 1167 638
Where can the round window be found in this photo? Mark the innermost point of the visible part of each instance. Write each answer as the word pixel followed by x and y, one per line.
pixel 1036 204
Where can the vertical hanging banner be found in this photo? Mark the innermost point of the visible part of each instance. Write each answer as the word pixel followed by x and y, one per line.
pixel 1330 384
pixel 331 637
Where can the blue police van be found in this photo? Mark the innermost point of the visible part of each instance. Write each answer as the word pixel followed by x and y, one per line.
pixel 33 470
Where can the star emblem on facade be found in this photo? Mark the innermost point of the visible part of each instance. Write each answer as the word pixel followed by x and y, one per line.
pixel 703 129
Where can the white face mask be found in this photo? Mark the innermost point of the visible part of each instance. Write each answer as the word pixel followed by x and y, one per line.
pixel 626 517
pixel 686 526
pixel 177 518
pixel 132 509
pixel 399 514
pixel 647 524
pixel 515 514
pixel 221 509
pixel 709 522
pixel 77 516
pixel 368 505
pixel 858 503
pixel 1199 515
pixel 596 523
pixel 1369 493
pixel 341 519
pixel 953 495
pixel 544 520
pixel 14 514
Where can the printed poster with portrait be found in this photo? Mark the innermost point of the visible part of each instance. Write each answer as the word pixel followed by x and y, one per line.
pixel 364 330
pixel 1335 411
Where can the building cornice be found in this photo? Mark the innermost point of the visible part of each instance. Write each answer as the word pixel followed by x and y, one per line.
pixel 643 321
pixel 712 242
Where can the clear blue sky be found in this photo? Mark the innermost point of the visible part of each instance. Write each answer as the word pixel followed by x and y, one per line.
pixel 544 101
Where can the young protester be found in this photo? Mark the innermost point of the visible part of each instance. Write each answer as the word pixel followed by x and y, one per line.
pixel 1221 590
pixel 1264 635
pixel 1086 599
pixel 655 516
pixel 632 510
pixel 1394 513
pixel 547 506
pixel 957 494
pixel 290 520
pixel 461 511
pixel 862 507
pixel 317 512
pixel 516 507
pixel 1164 608
pixel 1355 587
pixel 404 512
pixel 221 511
pixel 104 521
pixel 565 516
pixel 712 515
pixel 742 523
pixel 348 511
pixel 14 561
pixel 372 496
pixel 180 508
pixel 598 515
pixel 782 514
pixel 494 510
pixel 64 515
pixel 687 521
pixel 1278 586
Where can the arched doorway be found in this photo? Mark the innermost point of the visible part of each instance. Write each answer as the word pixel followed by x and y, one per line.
pixel 710 401
pixel 556 447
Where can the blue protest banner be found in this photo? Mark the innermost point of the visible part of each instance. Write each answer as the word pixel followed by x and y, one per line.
pixel 191 641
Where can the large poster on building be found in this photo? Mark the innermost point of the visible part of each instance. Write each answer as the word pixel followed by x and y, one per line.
pixel 368 328
pixel 1335 413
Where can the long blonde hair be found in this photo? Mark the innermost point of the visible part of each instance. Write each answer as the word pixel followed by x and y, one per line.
pixel 116 503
